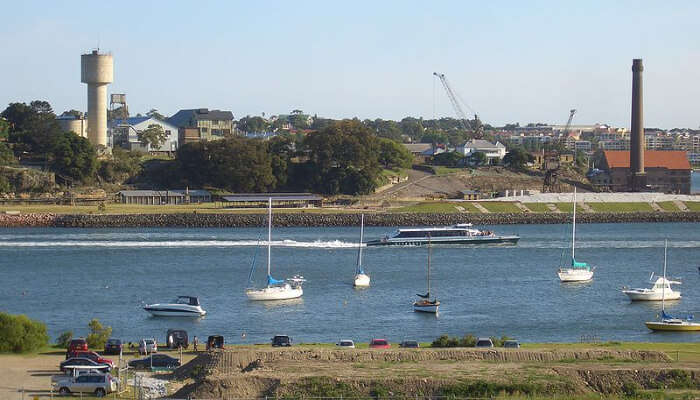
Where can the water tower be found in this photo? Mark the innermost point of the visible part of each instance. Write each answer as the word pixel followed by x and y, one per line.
pixel 97 70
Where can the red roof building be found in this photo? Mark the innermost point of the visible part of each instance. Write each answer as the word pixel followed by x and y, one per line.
pixel 667 171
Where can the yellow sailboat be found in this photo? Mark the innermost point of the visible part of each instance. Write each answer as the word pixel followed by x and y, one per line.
pixel 668 322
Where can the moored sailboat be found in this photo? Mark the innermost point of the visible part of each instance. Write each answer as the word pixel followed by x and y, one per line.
pixel 424 303
pixel 361 278
pixel 578 271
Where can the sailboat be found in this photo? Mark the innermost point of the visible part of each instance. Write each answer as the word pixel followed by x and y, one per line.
pixel 424 304
pixel 289 288
pixel 361 278
pixel 578 271
pixel 669 322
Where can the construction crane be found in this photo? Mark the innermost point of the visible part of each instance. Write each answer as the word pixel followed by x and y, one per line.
pixel 461 115
pixel 551 163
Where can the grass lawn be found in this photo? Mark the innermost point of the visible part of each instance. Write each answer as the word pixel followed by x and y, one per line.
pixel 668 206
pixel 537 207
pixel 693 205
pixel 621 207
pixel 565 207
pixel 500 207
pixel 431 207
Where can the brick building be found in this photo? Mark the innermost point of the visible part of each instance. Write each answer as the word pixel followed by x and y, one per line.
pixel 666 171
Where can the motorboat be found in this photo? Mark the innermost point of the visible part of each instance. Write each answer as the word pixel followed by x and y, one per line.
pixel 577 271
pixel 661 290
pixel 455 234
pixel 289 288
pixel 361 279
pixel 424 303
pixel 184 306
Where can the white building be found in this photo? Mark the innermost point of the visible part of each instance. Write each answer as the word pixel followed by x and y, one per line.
pixel 493 151
pixel 124 133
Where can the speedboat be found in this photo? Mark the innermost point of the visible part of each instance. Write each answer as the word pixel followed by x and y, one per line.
pixel 184 306
pixel 660 291
pixel 455 234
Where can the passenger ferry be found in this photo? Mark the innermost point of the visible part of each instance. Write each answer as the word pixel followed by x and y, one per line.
pixel 456 234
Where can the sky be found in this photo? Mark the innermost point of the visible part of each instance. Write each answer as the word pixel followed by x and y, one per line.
pixel 510 61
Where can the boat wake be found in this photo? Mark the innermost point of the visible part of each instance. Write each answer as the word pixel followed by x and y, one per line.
pixel 320 244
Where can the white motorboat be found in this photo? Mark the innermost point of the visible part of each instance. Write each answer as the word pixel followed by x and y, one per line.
pixel 184 306
pixel 289 288
pixel 578 271
pixel 361 278
pixel 424 303
pixel 660 291
pixel 439 235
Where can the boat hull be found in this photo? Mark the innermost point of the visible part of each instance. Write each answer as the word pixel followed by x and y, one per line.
pixel 663 326
pixel 444 241
pixel 165 310
pixel 426 307
pixel 574 275
pixel 361 280
pixel 274 293
pixel 635 295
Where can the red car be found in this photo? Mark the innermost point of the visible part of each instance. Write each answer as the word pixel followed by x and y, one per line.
pixel 379 344
pixel 79 344
pixel 89 355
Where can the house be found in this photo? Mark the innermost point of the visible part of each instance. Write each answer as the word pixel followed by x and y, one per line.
pixel 423 152
pixel 211 124
pixel 666 171
pixel 494 151
pixel 471 195
pixel 160 197
pixel 124 133
pixel 288 200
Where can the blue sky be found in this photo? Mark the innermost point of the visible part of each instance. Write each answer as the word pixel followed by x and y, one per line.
pixel 511 61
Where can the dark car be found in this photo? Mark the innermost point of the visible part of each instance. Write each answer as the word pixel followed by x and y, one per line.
pixel 215 342
pixel 79 344
pixel 113 346
pixel 511 344
pixel 176 338
pixel 281 341
pixel 409 344
pixel 155 360
pixel 91 355
pixel 83 362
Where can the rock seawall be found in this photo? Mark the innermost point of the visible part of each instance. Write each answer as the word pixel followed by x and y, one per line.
pixel 330 220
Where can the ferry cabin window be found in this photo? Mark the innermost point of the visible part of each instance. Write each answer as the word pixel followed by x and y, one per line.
pixel 423 234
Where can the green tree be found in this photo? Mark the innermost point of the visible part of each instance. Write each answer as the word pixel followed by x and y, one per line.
pixel 155 114
pixel 32 127
pixel 154 135
pixel 63 340
pixel 73 156
pixel 4 128
pixel 6 155
pixel 448 159
pixel 478 158
pixel 122 166
pixel 98 334
pixel 517 158
pixel 393 155
pixel 20 334
pixel 5 186
pixel 253 124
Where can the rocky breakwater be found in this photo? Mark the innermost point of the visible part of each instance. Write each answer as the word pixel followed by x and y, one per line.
pixel 302 219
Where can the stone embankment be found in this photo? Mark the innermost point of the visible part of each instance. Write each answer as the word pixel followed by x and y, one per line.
pixel 330 220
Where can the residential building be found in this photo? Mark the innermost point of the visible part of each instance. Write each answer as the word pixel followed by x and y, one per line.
pixel 160 197
pixel 211 124
pixel 422 152
pixel 666 171
pixel 494 151
pixel 125 133
pixel 471 195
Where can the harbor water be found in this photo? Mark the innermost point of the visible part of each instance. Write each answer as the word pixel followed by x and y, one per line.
pixel 65 277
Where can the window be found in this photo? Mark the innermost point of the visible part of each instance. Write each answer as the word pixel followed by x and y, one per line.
pixel 167 133
pixel 204 130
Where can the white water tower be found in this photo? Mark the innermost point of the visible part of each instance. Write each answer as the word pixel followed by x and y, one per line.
pixel 97 70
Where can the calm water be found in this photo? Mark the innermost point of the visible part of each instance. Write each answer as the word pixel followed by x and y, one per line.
pixel 65 277
pixel 695 182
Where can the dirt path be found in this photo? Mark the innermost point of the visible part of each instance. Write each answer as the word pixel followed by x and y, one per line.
pixel 31 373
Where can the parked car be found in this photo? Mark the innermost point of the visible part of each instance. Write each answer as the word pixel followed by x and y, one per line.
pixel 215 342
pixel 82 361
pixel 379 344
pixel 155 360
pixel 511 344
pixel 176 338
pixel 281 341
pixel 79 344
pixel 348 344
pixel 99 384
pixel 91 355
pixel 113 346
pixel 484 342
pixel 147 346
pixel 409 344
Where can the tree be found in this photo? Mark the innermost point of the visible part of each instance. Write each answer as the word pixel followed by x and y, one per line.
pixel 7 157
pixel 155 114
pixel 448 159
pixel 98 334
pixel 393 155
pixel 20 334
pixel 154 135
pixel 122 166
pixel 121 112
pixel 253 124
pixel 33 127
pixel 517 158
pixel 478 158
pixel 73 156
pixel 63 340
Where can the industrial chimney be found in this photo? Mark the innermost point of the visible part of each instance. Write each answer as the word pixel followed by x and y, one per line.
pixel 97 70
pixel 637 175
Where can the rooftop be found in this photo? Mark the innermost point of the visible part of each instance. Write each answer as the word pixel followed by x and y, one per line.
pixel 652 159
pixel 182 117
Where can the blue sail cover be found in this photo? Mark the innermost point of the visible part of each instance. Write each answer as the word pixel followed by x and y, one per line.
pixel 273 281
pixel 666 316
pixel 576 264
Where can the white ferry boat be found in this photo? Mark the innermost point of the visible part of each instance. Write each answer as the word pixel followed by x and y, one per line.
pixel 456 234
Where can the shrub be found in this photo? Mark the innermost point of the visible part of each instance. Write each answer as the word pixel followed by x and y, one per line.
pixel 446 341
pixel 63 340
pixel 498 342
pixel 467 341
pixel 20 334
pixel 98 334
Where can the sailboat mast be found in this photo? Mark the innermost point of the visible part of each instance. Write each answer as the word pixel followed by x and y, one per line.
pixel 573 230
pixel 663 289
pixel 269 232
pixel 359 246
pixel 430 251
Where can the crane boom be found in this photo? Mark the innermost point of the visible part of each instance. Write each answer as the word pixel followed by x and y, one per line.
pixel 453 99
pixel 568 123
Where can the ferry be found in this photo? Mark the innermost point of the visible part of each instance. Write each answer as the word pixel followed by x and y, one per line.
pixel 455 234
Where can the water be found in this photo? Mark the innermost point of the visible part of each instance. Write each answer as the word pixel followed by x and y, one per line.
pixel 695 182
pixel 65 277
